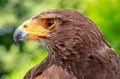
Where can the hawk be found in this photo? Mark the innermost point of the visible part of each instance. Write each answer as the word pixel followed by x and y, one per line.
pixel 76 47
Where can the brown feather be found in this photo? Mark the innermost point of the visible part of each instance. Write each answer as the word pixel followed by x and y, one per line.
pixel 77 50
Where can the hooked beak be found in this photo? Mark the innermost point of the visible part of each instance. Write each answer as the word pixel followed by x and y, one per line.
pixel 30 29
pixel 19 34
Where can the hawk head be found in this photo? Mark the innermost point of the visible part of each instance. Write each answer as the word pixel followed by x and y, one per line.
pixel 62 30
pixel 76 46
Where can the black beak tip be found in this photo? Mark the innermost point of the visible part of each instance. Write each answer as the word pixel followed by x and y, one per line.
pixel 15 39
pixel 15 43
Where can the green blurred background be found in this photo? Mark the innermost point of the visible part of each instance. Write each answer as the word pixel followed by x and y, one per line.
pixel 16 61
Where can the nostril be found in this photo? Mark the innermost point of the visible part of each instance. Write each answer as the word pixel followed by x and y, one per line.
pixel 24 26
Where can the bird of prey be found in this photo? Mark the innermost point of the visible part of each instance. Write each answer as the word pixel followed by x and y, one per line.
pixel 76 47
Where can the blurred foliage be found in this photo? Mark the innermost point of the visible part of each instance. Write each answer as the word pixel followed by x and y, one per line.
pixel 16 61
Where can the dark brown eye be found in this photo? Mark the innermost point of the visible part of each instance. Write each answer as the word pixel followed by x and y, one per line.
pixel 50 22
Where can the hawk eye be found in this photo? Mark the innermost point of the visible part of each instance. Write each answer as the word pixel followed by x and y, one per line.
pixel 50 22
